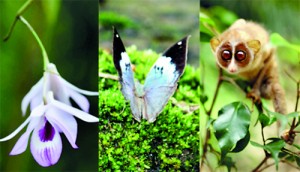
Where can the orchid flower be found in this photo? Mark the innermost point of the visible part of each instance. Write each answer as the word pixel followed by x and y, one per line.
pixel 51 114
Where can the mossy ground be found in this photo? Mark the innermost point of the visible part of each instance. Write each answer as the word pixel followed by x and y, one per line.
pixel 171 143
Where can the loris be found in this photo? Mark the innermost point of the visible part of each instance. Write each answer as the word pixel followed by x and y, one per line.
pixel 244 50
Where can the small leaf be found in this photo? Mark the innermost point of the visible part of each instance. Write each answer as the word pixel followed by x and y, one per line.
pixel 209 122
pixel 227 161
pixel 232 125
pixel 264 120
pixel 296 146
pixel 224 15
pixel 256 144
pixel 282 118
pixel 278 40
pixel 274 148
pixel 203 98
pixel 297 160
pixel 206 19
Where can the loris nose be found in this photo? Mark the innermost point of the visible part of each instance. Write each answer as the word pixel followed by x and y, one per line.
pixel 232 70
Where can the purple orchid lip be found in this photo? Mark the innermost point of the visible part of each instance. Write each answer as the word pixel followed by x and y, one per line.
pixel 47 132
pixel 51 114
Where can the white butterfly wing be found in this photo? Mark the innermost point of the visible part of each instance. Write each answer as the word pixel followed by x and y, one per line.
pixel 123 66
pixel 161 81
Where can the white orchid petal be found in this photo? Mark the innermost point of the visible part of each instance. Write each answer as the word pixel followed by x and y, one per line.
pixel 85 92
pixel 73 111
pixel 13 134
pixel 37 100
pixel 53 82
pixel 22 143
pixel 65 122
pixel 36 90
pixel 46 148
pixel 39 111
pixel 81 100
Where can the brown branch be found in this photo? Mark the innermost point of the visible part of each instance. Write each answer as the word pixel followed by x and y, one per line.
pixel 108 76
pixel 294 124
pixel 185 107
pixel 282 161
pixel 216 92
pixel 209 113
pixel 256 169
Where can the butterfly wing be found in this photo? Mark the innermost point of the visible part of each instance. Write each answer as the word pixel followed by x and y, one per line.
pixel 123 66
pixel 161 81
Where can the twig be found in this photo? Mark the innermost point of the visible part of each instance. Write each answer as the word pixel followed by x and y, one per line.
pixel 185 107
pixel 232 81
pixel 216 92
pixel 261 163
pixel 289 75
pixel 209 113
pixel 19 13
pixel 205 148
pixel 283 161
pixel 108 76
pixel 294 125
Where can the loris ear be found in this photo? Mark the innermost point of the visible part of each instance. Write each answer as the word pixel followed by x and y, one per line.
pixel 254 45
pixel 214 43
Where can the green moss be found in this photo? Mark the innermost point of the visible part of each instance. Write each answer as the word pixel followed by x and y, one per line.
pixel 171 143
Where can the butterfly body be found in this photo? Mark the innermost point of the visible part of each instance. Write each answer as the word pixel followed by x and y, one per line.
pixel 148 100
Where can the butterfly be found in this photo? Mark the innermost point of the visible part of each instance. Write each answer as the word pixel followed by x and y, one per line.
pixel 148 100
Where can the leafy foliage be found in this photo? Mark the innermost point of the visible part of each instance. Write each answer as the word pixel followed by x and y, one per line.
pixel 171 143
pixel 232 126
pixel 274 147
pixel 230 130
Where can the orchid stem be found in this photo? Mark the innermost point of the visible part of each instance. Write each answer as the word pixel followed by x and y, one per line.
pixel 19 13
pixel 45 56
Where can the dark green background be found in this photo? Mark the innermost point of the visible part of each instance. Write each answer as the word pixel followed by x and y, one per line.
pixel 69 32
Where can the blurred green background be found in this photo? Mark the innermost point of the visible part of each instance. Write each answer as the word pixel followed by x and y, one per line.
pixel 155 24
pixel 68 30
pixel 276 16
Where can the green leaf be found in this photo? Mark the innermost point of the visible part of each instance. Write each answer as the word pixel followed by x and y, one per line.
pixel 266 120
pixel 241 144
pixel 232 125
pixel 209 122
pixel 227 161
pixel 256 144
pixel 274 148
pixel 282 118
pixel 224 15
pixel 206 26
pixel 297 160
pixel 296 146
pixel 278 40
pixel 206 19
pixel 203 98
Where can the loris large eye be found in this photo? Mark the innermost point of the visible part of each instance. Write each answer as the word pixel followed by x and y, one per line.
pixel 226 55
pixel 240 55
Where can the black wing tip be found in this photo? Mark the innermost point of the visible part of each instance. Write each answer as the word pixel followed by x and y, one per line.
pixel 185 39
pixel 118 45
pixel 118 48
pixel 116 34
pixel 178 53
